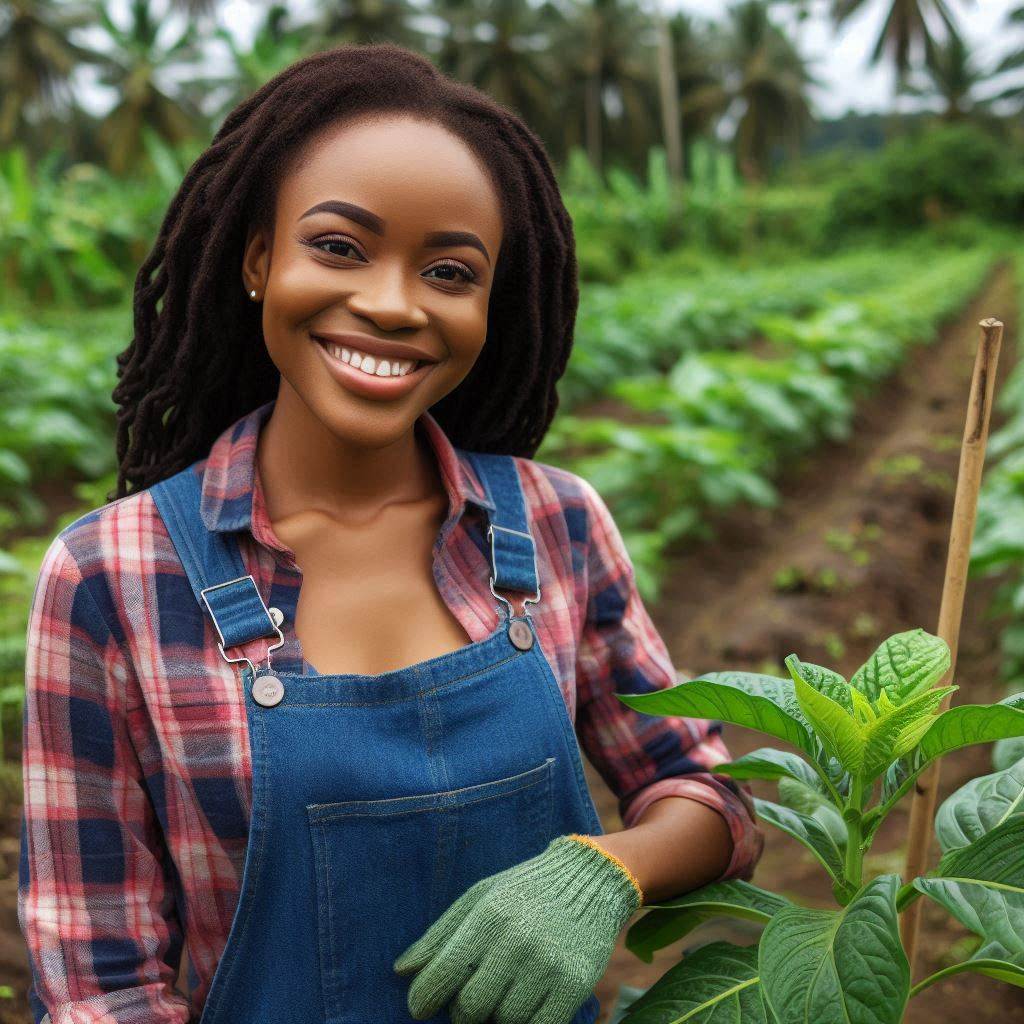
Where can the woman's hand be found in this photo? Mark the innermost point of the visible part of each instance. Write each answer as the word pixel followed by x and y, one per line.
pixel 526 945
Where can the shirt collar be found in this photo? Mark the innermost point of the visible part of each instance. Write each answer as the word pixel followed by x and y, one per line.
pixel 231 491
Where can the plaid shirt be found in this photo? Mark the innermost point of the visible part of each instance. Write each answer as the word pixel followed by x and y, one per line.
pixel 136 764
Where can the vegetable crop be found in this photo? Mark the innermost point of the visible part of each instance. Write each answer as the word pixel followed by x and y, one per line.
pixel 858 746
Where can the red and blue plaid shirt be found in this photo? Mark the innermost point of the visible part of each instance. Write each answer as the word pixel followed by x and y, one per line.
pixel 136 763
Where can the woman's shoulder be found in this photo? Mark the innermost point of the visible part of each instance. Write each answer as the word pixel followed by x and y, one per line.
pixel 553 489
pixel 125 537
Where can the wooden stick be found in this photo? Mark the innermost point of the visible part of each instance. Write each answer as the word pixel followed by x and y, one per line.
pixel 965 506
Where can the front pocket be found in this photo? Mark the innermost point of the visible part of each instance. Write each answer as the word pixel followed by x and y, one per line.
pixel 386 869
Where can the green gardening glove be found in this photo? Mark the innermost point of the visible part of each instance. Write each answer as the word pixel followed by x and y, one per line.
pixel 526 945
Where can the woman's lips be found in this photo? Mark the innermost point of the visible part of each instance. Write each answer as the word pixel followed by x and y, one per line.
pixel 367 385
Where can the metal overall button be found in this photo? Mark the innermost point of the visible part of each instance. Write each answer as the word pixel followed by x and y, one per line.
pixel 267 691
pixel 520 634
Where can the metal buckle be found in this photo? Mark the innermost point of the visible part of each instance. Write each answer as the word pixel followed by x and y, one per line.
pixel 494 566
pixel 220 642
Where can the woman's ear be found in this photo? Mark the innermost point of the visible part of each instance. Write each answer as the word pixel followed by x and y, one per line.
pixel 255 262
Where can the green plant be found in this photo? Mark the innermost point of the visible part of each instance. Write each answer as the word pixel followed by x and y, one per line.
pixel 862 744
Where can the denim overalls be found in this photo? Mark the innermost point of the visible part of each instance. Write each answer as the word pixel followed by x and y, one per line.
pixel 379 799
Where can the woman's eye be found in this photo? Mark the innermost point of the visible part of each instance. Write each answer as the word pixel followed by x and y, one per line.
pixel 456 268
pixel 451 269
pixel 334 241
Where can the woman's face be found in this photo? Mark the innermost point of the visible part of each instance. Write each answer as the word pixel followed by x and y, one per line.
pixel 386 235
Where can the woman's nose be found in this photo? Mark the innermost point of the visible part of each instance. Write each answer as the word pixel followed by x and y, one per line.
pixel 387 294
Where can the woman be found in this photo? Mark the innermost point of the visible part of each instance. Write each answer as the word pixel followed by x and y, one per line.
pixel 288 700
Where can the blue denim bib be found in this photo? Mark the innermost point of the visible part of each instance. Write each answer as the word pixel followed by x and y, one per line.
pixel 378 800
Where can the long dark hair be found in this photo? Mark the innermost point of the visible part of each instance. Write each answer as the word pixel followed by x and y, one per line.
pixel 199 362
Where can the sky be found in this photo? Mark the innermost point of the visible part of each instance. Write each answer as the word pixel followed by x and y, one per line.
pixel 837 58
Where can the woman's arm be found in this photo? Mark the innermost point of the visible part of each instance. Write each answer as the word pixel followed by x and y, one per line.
pixel 677 845
pixel 706 831
pixel 94 901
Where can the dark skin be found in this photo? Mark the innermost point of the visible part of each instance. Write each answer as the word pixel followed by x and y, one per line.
pixel 351 489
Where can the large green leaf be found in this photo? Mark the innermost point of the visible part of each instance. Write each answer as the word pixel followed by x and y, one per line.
pixel 837 967
pixel 991 960
pixel 1007 752
pixel 968 724
pixel 903 666
pixel 824 680
pixel 715 984
pixel 797 795
pixel 764 703
pixel 998 856
pixel 777 689
pixel 839 732
pixel 806 830
pixel 668 921
pixel 979 806
pixel 982 885
pixel 769 763
pixel 897 731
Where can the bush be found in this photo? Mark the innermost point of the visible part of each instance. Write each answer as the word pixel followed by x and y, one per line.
pixel 919 180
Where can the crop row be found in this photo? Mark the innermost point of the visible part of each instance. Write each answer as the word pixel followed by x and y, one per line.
pixel 705 420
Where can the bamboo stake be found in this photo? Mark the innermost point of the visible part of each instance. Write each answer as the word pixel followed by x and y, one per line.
pixel 965 507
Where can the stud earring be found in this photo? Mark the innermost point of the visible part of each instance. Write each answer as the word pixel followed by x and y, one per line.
pixel 252 294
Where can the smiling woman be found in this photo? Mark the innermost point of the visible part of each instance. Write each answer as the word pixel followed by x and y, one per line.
pixel 286 699
pixel 414 284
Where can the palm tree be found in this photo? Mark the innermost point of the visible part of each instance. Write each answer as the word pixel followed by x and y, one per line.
pixel 458 18
pixel 367 21
pixel 762 73
pixel 906 27
pixel 133 68
pixel 276 44
pixel 954 76
pixel 609 93
pixel 510 59
pixel 695 70
pixel 37 59
pixel 1014 60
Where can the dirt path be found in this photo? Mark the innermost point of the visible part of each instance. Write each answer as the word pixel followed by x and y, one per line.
pixel 855 551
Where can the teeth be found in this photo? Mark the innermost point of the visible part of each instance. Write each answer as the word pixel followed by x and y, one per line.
pixel 369 364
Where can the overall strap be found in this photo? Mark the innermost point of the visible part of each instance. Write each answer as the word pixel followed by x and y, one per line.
pixel 213 565
pixel 513 551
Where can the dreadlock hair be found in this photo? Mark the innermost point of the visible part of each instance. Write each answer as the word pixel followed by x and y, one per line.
pixel 197 364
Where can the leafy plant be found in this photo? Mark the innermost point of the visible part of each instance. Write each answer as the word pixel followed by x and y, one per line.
pixel 859 746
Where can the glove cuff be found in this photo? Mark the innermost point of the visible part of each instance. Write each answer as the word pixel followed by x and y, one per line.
pixel 588 840
pixel 591 881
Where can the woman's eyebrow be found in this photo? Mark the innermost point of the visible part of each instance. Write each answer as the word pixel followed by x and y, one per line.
pixel 370 221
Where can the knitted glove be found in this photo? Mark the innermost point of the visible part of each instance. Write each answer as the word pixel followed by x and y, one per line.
pixel 526 945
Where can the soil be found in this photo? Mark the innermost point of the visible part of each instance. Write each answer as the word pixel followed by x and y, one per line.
pixel 854 552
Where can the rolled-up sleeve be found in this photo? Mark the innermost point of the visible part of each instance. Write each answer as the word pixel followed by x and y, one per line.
pixel 95 903
pixel 645 757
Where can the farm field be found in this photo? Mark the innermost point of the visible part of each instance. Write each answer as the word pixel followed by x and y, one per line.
pixel 853 547
pixel 783 581
pixel 774 305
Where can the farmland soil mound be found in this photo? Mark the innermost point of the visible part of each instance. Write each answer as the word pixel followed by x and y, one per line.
pixel 854 552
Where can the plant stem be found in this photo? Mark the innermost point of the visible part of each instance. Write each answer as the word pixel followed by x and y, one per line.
pixel 854 824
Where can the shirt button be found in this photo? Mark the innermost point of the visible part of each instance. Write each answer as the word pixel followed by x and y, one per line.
pixel 267 691
pixel 520 634
pixel 276 615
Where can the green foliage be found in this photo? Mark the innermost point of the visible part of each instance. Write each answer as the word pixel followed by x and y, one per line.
pixel 947 170
pixel 724 379
pixel 56 376
pixel 846 965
